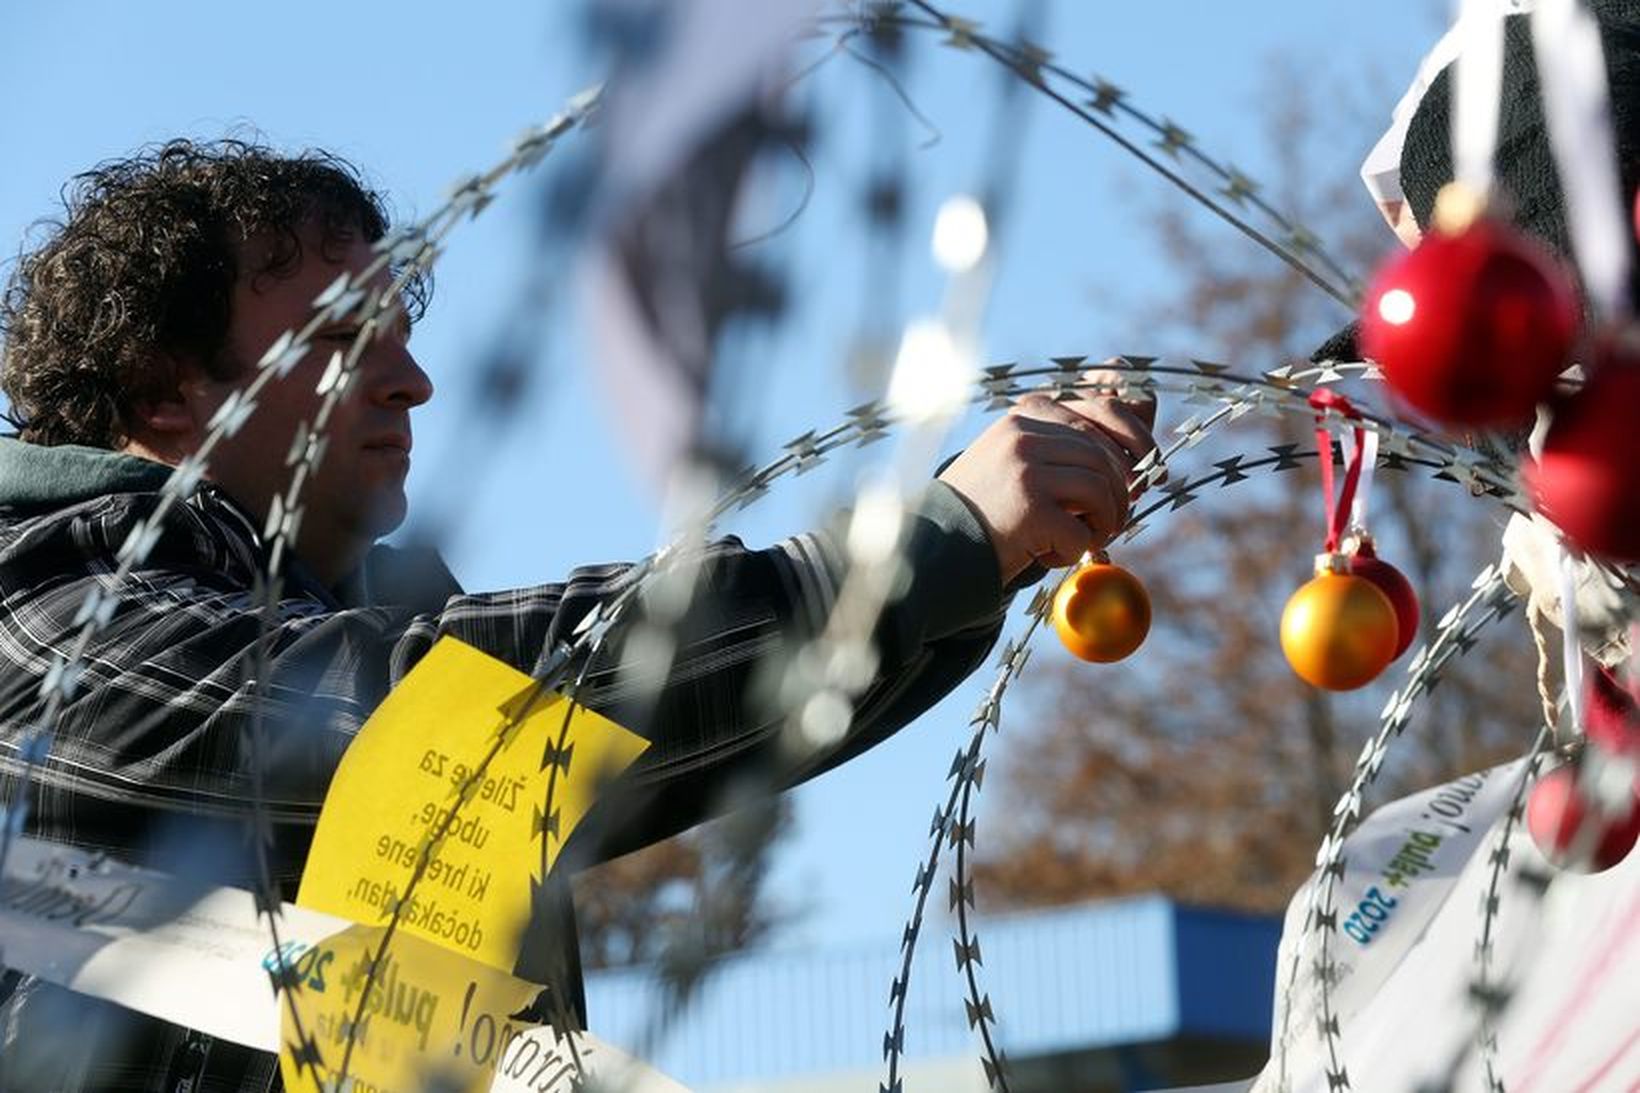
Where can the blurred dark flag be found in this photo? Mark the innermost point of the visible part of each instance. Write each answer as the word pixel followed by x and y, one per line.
pixel 691 102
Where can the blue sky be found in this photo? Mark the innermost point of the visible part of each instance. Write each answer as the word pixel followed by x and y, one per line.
pixel 421 93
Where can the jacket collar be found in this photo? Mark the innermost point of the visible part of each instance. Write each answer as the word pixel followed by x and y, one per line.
pixel 36 476
pixel 40 477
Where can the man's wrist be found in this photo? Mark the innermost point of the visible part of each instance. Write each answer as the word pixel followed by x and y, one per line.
pixel 1008 566
pixel 953 546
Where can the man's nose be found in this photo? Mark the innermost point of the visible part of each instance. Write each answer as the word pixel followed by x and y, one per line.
pixel 398 381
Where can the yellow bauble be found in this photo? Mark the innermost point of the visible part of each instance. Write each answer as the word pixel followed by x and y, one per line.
pixel 1101 612
pixel 1339 631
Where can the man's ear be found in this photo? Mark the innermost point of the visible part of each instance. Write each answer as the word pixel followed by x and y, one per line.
pixel 166 417
pixel 166 423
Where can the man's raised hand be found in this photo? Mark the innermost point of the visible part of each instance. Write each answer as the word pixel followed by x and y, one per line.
pixel 1050 479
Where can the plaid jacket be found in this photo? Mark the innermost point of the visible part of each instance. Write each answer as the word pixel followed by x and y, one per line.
pixel 149 761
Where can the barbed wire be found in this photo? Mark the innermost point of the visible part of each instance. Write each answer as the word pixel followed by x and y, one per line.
pixel 1455 635
pixel 1490 996
pixel 806 449
pixel 411 251
pixel 1278 390
pixel 1103 106
pixel 871 420
pixel 1487 999
pixel 1197 380
pixel 1239 396
pixel 1231 471
pixel 811 447
pixel 1271 393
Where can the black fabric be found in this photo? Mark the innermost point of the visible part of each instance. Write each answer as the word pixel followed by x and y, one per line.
pixel 1523 159
pixel 1342 346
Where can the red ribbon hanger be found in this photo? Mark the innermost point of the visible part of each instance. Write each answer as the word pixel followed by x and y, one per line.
pixel 1323 399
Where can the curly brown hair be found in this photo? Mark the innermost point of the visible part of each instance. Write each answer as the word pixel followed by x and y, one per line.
pixel 141 271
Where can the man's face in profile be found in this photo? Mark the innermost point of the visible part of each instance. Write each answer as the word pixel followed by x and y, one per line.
pixel 357 493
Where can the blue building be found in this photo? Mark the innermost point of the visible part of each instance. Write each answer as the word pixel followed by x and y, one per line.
pixel 1111 996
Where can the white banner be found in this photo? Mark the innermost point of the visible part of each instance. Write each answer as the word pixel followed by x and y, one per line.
pixel 200 957
pixel 1409 910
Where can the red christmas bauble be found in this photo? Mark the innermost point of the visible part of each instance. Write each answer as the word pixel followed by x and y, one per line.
pixel 1395 587
pixel 1588 481
pixel 1556 815
pixel 1473 326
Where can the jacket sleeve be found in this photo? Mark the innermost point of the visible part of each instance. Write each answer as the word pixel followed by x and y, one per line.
pixel 720 729
pixel 162 718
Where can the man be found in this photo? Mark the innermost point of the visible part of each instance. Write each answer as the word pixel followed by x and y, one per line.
pixel 126 332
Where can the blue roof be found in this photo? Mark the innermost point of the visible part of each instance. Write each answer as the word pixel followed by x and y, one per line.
pixel 1088 976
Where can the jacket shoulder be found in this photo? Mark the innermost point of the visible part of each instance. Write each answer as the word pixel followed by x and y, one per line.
pixel 88 538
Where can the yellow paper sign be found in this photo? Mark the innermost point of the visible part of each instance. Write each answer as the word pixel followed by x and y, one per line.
pixel 468 779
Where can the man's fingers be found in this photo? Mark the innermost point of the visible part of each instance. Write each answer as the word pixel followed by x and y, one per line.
pixel 1096 447
pixel 1117 421
pixel 1104 416
pixel 1065 539
pixel 1100 501
pixel 1140 401
pixel 1054 477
